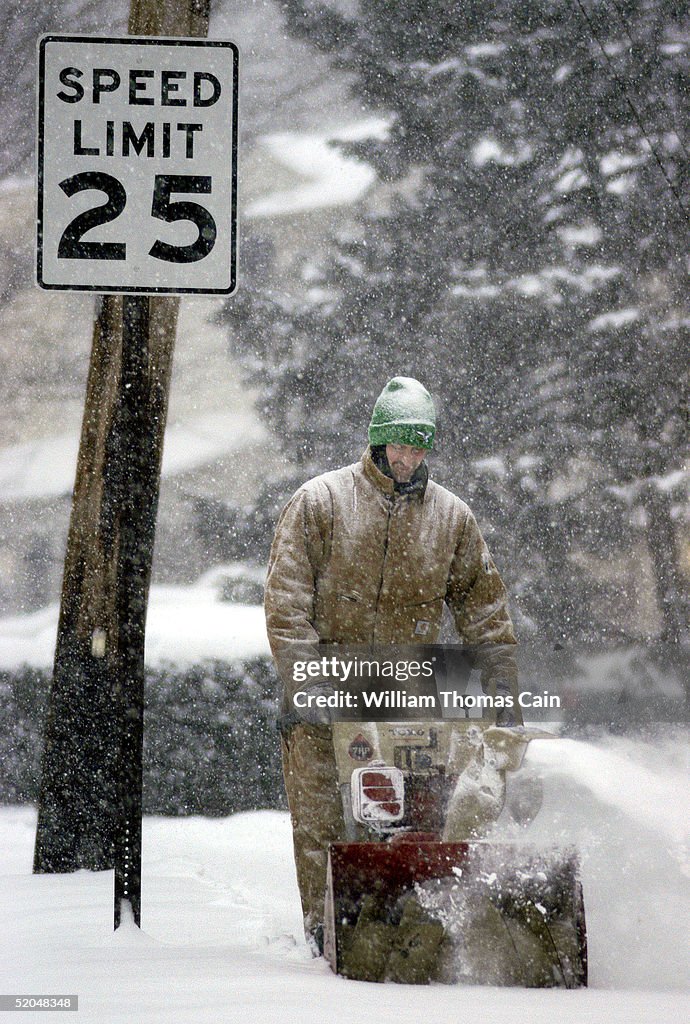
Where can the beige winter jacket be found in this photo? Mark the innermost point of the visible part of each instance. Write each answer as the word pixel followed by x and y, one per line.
pixel 353 562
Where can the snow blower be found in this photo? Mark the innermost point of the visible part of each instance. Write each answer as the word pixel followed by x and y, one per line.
pixel 417 896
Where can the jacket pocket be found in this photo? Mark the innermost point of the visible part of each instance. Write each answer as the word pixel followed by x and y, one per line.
pixel 419 621
pixel 346 616
pixel 340 616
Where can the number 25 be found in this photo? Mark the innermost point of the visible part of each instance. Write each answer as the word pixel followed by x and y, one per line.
pixel 72 246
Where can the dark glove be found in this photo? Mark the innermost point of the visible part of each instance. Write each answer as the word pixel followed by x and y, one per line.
pixel 313 714
pixel 310 715
pixel 507 717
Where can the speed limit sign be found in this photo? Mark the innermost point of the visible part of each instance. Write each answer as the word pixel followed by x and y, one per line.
pixel 137 164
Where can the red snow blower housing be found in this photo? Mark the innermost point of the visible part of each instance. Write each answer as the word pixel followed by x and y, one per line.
pixel 417 895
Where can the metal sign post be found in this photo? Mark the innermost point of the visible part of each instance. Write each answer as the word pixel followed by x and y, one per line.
pixel 138 501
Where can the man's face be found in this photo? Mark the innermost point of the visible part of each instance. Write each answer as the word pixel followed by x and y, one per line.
pixel 403 460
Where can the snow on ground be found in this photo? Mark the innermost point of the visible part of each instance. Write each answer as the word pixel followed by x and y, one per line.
pixel 330 179
pixel 221 937
pixel 624 804
pixel 46 468
pixel 184 625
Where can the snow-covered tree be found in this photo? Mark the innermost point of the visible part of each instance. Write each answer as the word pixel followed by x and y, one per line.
pixel 528 265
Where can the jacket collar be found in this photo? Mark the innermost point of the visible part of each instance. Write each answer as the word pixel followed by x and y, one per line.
pixel 387 485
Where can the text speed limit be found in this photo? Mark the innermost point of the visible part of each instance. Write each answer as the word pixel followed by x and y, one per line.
pixel 137 165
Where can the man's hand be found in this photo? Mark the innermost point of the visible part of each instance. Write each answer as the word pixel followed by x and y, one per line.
pixel 307 712
pixel 313 712
pixel 506 717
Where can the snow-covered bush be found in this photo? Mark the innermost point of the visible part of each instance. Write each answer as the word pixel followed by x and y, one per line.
pixel 210 743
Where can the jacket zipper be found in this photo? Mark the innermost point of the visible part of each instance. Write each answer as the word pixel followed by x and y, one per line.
pixel 383 567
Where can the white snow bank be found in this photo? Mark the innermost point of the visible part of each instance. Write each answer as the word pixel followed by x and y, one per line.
pixel 616 781
pixel 623 804
pixel 39 469
pixel 46 468
pixel 330 178
pixel 222 937
pixel 185 625
pixel 205 438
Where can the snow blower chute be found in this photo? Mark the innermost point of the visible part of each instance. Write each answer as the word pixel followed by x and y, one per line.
pixel 417 896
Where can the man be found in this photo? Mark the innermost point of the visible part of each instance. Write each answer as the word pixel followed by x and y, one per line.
pixel 370 554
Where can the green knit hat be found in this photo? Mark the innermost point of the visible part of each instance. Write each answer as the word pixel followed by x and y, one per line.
pixel 403 414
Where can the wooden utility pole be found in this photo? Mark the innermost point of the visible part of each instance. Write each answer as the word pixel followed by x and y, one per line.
pixel 90 800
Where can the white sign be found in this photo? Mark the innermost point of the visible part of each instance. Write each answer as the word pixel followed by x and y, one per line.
pixel 137 164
